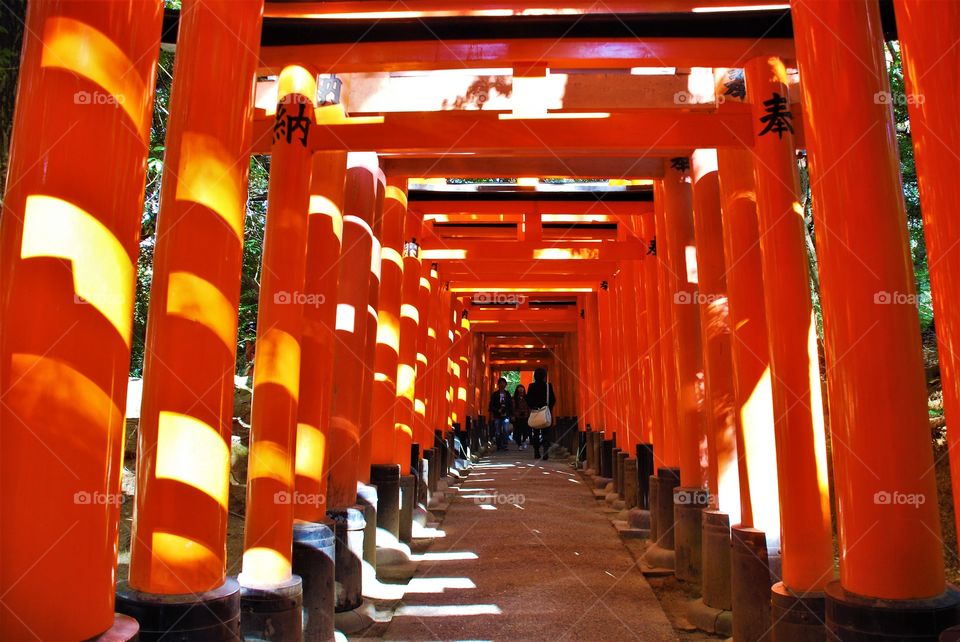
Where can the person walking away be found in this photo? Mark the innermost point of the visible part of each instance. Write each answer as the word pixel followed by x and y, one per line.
pixel 501 408
pixel 539 395
pixel 521 412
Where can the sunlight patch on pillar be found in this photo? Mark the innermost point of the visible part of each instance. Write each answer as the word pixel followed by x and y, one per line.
pixel 760 450
pixel 311 448
pixel 208 176
pixel 83 50
pixel 266 565
pixel 269 460
pixel 278 361
pixel 192 452
pixel 174 553
pixel 195 299
pixel 346 318
pixel 103 274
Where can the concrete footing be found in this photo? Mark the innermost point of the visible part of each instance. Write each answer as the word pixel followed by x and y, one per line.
pixel 124 629
pixel 710 619
pixel 272 613
pixel 367 501
pixel 314 554
pixel 212 615
pixel 750 581
pixel 408 489
pixel 688 529
pixel 852 617
pixel 658 561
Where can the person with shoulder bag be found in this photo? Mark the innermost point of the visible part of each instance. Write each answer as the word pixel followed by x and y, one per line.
pixel 541 400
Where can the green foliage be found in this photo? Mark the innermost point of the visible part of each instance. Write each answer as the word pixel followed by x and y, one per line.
pixel 513 379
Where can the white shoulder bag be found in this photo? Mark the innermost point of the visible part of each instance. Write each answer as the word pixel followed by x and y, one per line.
pixel 541 417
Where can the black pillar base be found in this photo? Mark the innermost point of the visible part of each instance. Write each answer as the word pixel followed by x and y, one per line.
pixel 750 582
pixel 667 479
pixel 367 500
pixel 386 477
pixel 854 618
pixel 272 613
pixel 349 526
pixel 408 490
pixel 212 615
pixel 124 629
pixel 314 553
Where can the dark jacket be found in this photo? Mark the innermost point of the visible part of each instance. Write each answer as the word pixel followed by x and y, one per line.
pixel 501 408
pixel 537 395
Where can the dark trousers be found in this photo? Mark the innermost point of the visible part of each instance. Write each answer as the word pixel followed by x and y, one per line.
pixel 541 438
pixel 500 433
pixel 521 431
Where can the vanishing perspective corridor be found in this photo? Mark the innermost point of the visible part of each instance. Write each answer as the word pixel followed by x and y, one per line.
pixel 527 555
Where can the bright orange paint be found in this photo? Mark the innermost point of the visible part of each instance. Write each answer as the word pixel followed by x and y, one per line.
pixel 325 230
pixel 268 533
pixel 669 454
pixel 68 257
pixel 878 399
pixel 410 319
pixel 179 535
pixel 353 297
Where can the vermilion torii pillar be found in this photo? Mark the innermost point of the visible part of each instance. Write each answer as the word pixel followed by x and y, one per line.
pixel 669 456
pixel 325 232
pixel 67 274
pixel 883 463
pixel 429 306
pixel 353 298
pixel 410 316
pixel 807 555
pixel 651 286
pixel 608 375
pixel 715 332
pixel 268 534
pixel 930 61
pixel 758 530
pixel 178 545
pixel 384 398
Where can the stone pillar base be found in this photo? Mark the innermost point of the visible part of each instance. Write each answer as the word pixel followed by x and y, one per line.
pixel 386 479
pixel 124 629
pixel 367 501
pixel 750 581
pixel 797 617
pixel 630 483
pixel 349 527
pixel 688 508
pixel 194 617
pixel 667 480
pixel 851 617
pixel 408 489
pixel 314 554
pixel 658 561
pixel 715 565
pixel 272 613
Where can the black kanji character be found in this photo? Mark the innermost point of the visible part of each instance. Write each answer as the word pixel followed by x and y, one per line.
pixel 680 163
pixel 652 247
pixel 735 87
pixel 779 118
pixel 287 125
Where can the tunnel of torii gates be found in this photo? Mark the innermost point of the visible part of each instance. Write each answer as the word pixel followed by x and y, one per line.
pixel 669 298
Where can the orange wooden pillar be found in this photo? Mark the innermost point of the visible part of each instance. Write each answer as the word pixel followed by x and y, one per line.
pixel 384 399
pixel 608 395
pixel 429 298
pixel 669 456
pixel 594 382
pixel 325 231
pixel 630 319
pixel 801 452
pixel 353 299
pixel 68 261
pixel 372 330
pixel 179 536
pixel 930 63
pixel 268 535
pixel 715 335
pixel 656 339
pixel 684 297
pixel 463 358
pixel 758 532
pixel 410 319
pixel 887 505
